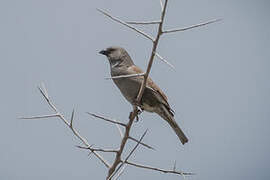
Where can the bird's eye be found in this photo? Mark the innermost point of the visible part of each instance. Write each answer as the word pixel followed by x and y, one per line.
pixel 111 50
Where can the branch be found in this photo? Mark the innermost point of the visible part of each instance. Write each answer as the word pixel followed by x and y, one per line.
pixel 119 123
pixel 125 24
pixel 121 172
pixel 98 149
pixel 126 76
pixel 164 60
pixel 107 119
pixel 143 23
pixel 117 159
pixel 158 169
pixel 44 92
pixel 138 99
pixel 133 139
pixel 40 117
pixel 120 131
pixel 161 5
pixel 128 156
pixel 191 27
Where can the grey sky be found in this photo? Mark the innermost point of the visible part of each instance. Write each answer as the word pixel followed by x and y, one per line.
pixel 219 90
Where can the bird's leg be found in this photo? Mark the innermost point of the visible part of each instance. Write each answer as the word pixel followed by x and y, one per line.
pixel 139 109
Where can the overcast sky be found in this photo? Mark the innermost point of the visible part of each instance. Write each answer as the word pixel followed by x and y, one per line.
pixel 219 90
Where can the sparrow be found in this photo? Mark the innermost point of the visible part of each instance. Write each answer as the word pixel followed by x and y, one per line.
pixel 153 98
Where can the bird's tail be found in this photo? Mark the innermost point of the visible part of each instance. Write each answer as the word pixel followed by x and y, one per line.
pixel 168 116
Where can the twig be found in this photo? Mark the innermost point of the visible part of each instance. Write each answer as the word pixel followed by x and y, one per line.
pixel 121 172
pixel 40 117
pixel 71 119
pixel 126 76
pixel 164 60
pixel 98 149
pixel 174 166
pixel 191 27
pixel 128 156
pixel 120 131
pixel 143 23
pixel 44 92
pixel 161 5
pixel 136 146
pixel 117 159
pixel 158 169
pixel 119 123
pixel 125 24
pixel 150 147
pixel 107 119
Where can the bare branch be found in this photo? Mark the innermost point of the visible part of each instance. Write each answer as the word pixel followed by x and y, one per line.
pixel 158 169
pixel 41 116
pixel 121 172
pixel 135 147
pixel 139 96
pixel 117 159
pixel 98 149
pixel 118 123
pixel 164 60
pixel 128 156
pixel 42 85
pixel 191 27
pixel 126 76
pixel 161 5
pixel 106 119
pixel 143 23
pixel 125 24
pixel 44 92
pixel 120 131
pixel 150 147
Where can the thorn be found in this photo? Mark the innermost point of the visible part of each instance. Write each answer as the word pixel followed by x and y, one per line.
pixel 71 119
pixel 174 166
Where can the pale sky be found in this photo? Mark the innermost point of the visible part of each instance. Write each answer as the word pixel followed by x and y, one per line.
pixel 219 90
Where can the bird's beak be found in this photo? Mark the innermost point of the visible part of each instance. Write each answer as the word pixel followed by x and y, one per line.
pixel 104 52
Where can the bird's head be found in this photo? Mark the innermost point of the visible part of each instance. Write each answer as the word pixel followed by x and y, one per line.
pixel 117 56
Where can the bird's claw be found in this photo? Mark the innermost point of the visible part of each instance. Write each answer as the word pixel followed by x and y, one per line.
pixel 139 111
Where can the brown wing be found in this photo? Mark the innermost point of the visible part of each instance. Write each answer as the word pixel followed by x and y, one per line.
pixel 150 83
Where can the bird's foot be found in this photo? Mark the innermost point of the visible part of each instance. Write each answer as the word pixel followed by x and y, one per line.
pixel 139 111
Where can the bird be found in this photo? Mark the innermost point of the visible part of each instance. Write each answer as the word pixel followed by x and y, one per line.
pixel 153 98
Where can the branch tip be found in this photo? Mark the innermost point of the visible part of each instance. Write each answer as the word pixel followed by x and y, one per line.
pixel 164 60
pixel 192 26
pixel 106 119
pixel 125 24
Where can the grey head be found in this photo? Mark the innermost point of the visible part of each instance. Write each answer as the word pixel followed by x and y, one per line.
pixel 117 56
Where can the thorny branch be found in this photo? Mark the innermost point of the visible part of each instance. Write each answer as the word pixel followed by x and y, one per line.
pixel 118 162
pixel 58 114
pixel 158 169
pixel 155 41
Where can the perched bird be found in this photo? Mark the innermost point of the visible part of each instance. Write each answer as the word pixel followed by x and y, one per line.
pixel 153 99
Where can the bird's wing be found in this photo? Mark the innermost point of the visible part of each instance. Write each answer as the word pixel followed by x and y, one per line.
pixel 150 83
